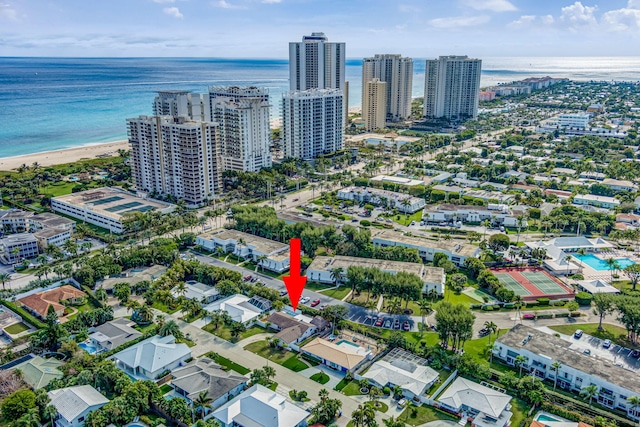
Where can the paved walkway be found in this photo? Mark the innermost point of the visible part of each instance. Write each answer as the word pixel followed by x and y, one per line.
pixel 334 377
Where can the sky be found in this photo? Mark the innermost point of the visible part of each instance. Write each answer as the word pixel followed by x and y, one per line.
pixel 263 28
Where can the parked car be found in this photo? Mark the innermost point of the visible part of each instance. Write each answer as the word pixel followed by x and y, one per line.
pixel 387 324
pixel 484 332
pixel 578 333
pixel 396 324
pixel 405 326
pixel 295 200
pixel 323 306
pixel 305 300
pixel 402 403
pixel 606 343
pixel 587 351
pixel 635 353
pixel 283 292
pixel 247 277
pixel 379 322
pixel 315 302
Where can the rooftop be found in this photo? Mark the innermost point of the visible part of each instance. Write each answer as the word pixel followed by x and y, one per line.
pixel 73 401
pixel 50 232
pixel 481 398
pixel 40 301
pixel 557 349
pixel 237 306
pixel 397 180
pixel 404 369
pixel 265 246
pixel 112 334
pixel 17 239
pixel 426 274
pixel 204 375
pixel 348 356
pixel 418 240
pixel 38 372
pixel 153 353
pixel 111 202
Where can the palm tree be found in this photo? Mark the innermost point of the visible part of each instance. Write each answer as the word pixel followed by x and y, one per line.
pixel 590 391
pixel 51 412
pixel 556 367
pixel 582 252
pixel 336 275
pixel 613 265
pixel 5 277
pixel 634 401
pixel 261 261
pixel 425 310
pixel 202 402
pixel 519 361
pixel 144 314
pixel 101 295
pixel 170 328
pixel 491 326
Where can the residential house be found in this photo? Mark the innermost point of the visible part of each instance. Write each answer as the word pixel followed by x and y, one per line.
pixel 322 270
pixel 597 201
pixel 291 331
pixel 377 197
pixel 619 185
pixel 267 253
pixel 113 334
pixel 195 290
pixel 485 405
pixel 132 277
pixel 560 194
pixel 343 356
pixel 241 308
pixel 397 180
pixel 427 248
pixel 400 368
pixel 38 372
pixel 39 302
pixel 597 176
pixel 577 370
pixel 153 357
pixel 74 404
pixel 497 214
pixel 205 376
pixel 260 407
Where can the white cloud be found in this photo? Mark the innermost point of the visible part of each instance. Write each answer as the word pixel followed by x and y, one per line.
pixel 459 21
pixel 225 5
pixel 271 1
pixel 173 11
pixel 622 19
pixel 492 5
pixel 578 15
pixel 633 4
pixel 8 12
pixel 164 1
pixel 547 19
pixel 523 20
pixel 532 21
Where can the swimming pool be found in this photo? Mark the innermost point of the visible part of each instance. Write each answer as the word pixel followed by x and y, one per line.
pixel 347 342
pixel 88 347
pixel 544 417
pixel 600 264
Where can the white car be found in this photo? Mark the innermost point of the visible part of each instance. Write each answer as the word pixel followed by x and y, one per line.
pixel 304 300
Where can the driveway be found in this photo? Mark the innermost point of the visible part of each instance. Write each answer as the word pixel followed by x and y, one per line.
pixel 334 377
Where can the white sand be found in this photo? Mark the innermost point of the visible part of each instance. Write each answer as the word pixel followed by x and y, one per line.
pixel 69 155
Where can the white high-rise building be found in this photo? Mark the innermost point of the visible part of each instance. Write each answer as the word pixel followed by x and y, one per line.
pixel 451 88
pixel 397 72
pixel 175 156
pixel 316 63
pixel 312 122
pixel 178 103
pixel 374 103
pixel 242 116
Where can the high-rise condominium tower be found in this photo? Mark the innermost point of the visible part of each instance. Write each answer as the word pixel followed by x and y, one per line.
pixel 242 116
pixel 451 87
pixel 397 72
pixel 316 63
pixel 374 103
pixel 175 156
pixel 177 103
pixel 312 122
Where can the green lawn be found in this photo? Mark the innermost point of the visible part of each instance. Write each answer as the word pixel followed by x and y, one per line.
pixel 277 355
pixel 403 219
pixel 425 414
pixel 520 409
pixel 166 388
pixel 16 328
pixel 338 293
pixel 341 385
pixel 460 298
pixel 320 377
pixel 382 407
pixel 315 286
pixel 58 189
pixel 352 389
pixel 616 334
pixel 223 361
pixel 163 307
pixel 273 386
pixel 224 332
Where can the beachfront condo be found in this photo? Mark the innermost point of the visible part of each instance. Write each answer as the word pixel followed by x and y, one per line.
pixel 397 73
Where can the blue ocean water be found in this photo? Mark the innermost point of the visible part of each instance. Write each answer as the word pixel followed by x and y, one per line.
pixel 54 103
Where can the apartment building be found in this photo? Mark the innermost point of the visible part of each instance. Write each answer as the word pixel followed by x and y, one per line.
pixel 498 214
pixel 374 100
pixel 17 247
pixel 177 103
pixel 316 63
pixel 242 117
pixel 175 156
pixel 397 73
pixel 401 201
pixel 452 85
pixel 312 122
pixel 605 202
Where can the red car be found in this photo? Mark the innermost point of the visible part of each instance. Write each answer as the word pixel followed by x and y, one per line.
pixel 405 326
pixel 247 277
pixel 379 322
pixel 315 302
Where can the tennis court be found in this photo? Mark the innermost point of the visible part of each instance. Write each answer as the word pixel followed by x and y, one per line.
pixel 531 283
pixel 512 284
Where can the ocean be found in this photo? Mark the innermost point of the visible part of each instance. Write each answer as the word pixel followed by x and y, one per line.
pixel 55 103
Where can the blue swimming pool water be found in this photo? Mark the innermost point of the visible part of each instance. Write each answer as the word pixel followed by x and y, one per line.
pixel 600 264
pixel 89 348
pixel 543 417
pixel 347 342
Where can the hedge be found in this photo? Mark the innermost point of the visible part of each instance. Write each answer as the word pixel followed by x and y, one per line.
pixel 92 296
pixel 24 314
pixel 543 301
pixel 584 298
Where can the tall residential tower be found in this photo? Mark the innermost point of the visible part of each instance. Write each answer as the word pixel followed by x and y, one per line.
pixel 397 72
pixel 374 103
pixel 451 87
pixel 316 63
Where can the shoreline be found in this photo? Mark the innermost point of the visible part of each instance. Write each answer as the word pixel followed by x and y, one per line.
pixel 66 155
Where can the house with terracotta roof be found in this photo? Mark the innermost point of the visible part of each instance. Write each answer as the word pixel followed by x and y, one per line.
pixel 38 304
pixel 343 356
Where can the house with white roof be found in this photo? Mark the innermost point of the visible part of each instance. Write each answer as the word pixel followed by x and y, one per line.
pixel 403 369
pixel 195 290
pixel 619 184
pixel 74 404
pixel 241 308
pixel 558 251
pixel 605 202
pixel 377 197
pixel 487 406
pixel 260 407
pixel 597 287
pixel 152 357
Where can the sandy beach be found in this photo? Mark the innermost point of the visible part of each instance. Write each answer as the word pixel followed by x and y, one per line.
pixel 57 157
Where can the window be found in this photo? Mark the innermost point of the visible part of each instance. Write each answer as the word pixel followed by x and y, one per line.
pixel 81 419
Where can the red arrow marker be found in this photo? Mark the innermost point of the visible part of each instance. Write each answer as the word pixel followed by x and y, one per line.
pixel 294 281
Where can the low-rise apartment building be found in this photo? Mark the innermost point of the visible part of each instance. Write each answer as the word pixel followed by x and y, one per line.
pixel 245 245
pixel 403 202
pixel 17 247
pixel 577 369
pixel 52 236
pixel 322 270
pixel 597 201
pixel 456 252
pixel 619 184
pixel 498 214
